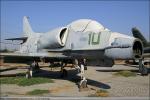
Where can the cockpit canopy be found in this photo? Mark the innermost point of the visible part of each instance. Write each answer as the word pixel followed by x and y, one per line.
pixel 86 25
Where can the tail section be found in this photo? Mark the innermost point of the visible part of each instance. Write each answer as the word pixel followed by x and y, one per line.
pixel 27 30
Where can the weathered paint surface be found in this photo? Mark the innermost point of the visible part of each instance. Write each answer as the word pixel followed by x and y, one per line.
pixel 82 38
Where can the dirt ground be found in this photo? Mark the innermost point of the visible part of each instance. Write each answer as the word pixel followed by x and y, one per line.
pixel 97 77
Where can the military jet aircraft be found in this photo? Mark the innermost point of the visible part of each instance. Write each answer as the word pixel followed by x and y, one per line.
pixel 146 44
pixel 137 34
pixel 81 39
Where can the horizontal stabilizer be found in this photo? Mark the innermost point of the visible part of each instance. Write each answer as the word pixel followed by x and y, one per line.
pixel 20 38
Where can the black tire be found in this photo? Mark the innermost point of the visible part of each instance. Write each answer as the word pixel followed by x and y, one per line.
pixel 140 69
pixel 28 75
pixel 85 67
pixel 143 70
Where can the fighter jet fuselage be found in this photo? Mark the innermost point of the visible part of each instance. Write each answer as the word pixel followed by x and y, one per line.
pixel 83 38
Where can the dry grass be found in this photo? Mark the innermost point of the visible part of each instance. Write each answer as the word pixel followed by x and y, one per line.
pixel 100 93
pixel 125 73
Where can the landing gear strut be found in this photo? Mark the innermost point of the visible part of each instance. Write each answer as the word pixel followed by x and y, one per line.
pixel 83 81
pixel 142 69
pixel 64 72
pixel 81 67
pixel 33 67
pixel 83 84
pixel 29 72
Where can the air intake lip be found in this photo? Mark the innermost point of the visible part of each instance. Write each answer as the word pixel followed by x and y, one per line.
pixel 63 36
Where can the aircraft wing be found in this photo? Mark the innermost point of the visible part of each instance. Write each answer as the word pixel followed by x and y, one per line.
pixel 28 57
pixel 53 54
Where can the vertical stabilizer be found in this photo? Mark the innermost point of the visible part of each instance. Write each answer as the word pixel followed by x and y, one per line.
pixel 27 30
pixel 137 34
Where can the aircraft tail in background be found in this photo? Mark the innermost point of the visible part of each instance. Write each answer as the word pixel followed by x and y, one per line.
pixel 137 34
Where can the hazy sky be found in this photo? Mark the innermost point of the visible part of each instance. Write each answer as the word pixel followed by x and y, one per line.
pixel 119 16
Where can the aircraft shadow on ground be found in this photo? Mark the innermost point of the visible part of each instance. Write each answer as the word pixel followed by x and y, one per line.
pixel 117 70
pixel 98 84
pixel 72 76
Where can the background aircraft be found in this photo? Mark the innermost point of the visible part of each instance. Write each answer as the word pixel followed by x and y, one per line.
pixel 137 34
pixel 146 55
pixel 81 39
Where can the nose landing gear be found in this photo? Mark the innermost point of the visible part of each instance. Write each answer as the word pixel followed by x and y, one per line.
pixel 81 67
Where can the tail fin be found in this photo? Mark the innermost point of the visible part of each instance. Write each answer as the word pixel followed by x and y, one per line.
pixel 137 34
pixel 27 30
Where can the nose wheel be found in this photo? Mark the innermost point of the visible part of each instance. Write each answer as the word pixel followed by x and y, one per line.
pixel 83 83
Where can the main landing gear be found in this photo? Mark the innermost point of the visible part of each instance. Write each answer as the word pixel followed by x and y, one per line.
pixel 64 72
pixel 142 69
pixel 33 68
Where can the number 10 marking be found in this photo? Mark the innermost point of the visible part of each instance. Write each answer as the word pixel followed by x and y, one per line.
pixel 94 38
